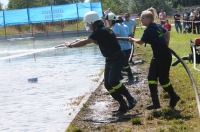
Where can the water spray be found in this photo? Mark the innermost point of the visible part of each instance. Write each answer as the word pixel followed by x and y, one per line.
pixel 187 70
pixel 37 51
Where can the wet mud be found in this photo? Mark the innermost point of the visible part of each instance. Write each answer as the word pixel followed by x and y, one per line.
pixel 97 113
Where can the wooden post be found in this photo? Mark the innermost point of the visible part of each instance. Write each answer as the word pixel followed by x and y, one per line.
pixel 62 25
pixel 32 29
pixel 77 24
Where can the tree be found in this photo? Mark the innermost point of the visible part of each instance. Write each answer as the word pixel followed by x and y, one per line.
pixel 184 3
pixel 20 4
pixel 1 6
pixel 137 6
pixel 117 6
pixel 60 2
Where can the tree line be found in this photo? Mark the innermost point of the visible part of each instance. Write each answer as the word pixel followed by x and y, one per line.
pixel 137 6
pixel 117 6
pixel 20 4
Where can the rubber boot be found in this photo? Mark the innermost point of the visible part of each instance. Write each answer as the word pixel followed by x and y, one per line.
pixel 174 98
pixel 123 108
pixel 131 101
pixel 130 76
pixel 155 100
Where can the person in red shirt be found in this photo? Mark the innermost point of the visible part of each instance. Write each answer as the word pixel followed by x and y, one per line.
pixel 167 25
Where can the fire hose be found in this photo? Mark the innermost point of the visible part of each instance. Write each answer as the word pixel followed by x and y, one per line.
pixel 194 57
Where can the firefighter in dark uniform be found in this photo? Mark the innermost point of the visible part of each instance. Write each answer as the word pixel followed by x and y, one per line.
pixel 158 38
pixel 110 49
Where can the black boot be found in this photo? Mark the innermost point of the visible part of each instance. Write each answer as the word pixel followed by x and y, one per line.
pixel 123 108
pixel 155 100
pixel 174 98
pixel 132 102
pixel 130 75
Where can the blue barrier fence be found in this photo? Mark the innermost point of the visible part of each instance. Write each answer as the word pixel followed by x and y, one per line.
pixel 48 13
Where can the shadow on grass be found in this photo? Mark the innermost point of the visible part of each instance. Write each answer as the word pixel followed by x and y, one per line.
pixel 169 114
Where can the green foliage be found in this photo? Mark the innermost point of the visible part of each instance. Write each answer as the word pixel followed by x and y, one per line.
pixel 136 121
pixel 60 2
pixel 116 7
pixel 167 113
pixel 73 128
pixel 184 3
pixel 137 6
pixel 20 4
pixel 1 6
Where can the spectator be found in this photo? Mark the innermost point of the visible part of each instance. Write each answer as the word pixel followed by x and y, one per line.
pixel 167 25
pixel 132 27
pixel 186 18
pixel 162 17
pixel 197 18
pixel 130 23
pixel 177 21
pixel 192 19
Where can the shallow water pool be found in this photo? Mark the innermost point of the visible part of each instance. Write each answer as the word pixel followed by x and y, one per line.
pixel 63 76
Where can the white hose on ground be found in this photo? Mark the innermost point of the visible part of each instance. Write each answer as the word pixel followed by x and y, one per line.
pixel 195 59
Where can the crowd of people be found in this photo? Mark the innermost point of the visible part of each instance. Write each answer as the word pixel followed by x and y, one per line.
pixel 188 22
pixel 106 34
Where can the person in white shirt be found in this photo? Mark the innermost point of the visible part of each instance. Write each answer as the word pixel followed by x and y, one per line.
pixel 162 17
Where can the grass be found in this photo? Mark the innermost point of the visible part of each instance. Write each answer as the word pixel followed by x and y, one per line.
pixel 136 121
pixel 73 128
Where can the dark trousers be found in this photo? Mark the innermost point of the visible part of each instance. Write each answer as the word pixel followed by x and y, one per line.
pixel 112 76
pixel 127 67
pixel 178 25
pixel 159 69
pixel 198 27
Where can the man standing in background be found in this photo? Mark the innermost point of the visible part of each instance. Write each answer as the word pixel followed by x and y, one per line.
pixel 132 27
pixel 162 17
pixel 186 18
pixel 130 23
pixel 177 21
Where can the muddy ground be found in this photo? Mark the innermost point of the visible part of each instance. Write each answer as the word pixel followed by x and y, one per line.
pixel 97 116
